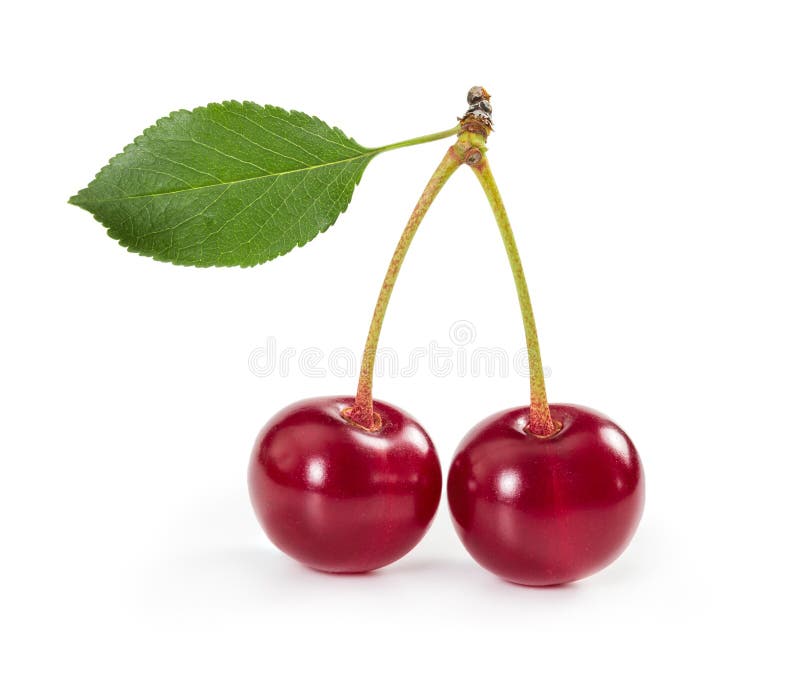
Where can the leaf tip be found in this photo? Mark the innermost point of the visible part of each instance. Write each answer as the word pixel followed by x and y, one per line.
pixel 77 199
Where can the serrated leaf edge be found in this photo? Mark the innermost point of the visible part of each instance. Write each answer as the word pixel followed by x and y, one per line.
pixel 368 154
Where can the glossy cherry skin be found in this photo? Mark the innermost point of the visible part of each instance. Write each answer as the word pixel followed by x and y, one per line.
pixel 546 511
pixel 337 497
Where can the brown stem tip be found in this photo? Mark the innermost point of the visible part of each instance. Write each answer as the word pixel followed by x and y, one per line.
pixel 480 108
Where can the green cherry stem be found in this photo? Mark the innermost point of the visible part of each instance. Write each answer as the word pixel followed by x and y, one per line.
pixel 419 140
pixel 362 412
pixel 541 422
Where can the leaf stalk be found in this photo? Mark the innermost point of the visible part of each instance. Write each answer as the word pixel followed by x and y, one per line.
pixel 419 140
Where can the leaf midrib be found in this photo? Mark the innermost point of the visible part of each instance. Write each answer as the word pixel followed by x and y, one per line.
pixel 368 153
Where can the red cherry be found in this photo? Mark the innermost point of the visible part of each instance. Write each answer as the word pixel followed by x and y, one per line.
pixel 545 511
pixel 338 497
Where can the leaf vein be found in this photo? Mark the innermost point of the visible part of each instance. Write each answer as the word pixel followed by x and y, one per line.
pixel 180 164
pixel 316 135
pixel 257 144
pixel 277 135
pixel 150 233
pixel 236 181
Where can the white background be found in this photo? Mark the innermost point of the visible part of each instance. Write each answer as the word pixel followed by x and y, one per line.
pixel 649 155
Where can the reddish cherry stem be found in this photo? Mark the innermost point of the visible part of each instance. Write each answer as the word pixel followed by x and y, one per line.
pixel 362 412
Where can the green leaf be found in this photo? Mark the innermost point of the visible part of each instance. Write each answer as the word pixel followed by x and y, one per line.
pixel 230 184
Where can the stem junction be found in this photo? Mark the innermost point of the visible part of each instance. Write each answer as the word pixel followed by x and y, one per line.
pixel 469 149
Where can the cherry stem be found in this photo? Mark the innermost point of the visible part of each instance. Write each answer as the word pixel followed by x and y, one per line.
pixel 419 140
pixel 541 421
pixel 470 148
pixel 362 413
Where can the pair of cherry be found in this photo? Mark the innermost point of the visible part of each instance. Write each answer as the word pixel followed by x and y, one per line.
pixel 534 510
pixel 539 495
